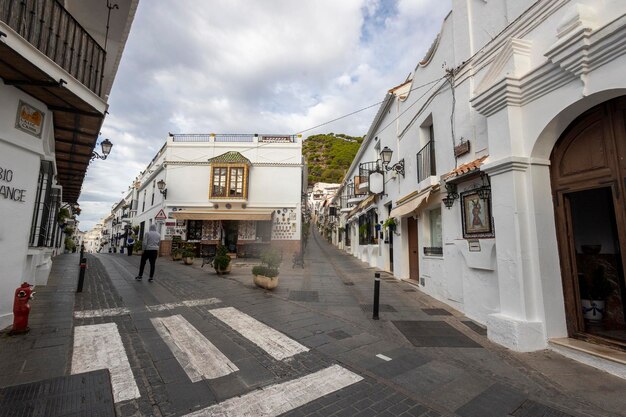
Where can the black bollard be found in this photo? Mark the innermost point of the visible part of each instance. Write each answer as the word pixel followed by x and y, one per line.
pixel 82 250
pixel 81 274
pixel 376 295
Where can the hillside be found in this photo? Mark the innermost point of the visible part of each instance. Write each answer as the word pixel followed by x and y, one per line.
pixel 329 156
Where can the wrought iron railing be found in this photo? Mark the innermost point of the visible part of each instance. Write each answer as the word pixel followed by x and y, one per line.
pixel 212 137
pixel 51 29
pixel 365 168
pixel 426 162
pixel 433 251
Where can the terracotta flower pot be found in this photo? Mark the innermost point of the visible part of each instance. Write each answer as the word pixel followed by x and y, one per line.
pixel 188 260
pixel 265 282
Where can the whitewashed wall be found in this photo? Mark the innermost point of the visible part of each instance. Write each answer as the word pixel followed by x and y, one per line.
pixel 21 153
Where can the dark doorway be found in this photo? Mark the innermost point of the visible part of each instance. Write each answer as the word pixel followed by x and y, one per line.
pixel 588 169
pixel 414 272
pixel 231 232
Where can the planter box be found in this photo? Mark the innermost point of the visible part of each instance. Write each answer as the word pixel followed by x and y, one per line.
pixel 226 270
pixel 265 282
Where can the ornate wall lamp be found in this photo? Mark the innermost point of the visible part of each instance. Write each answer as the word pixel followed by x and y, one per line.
pixel 106 146
pixel 484 192
pixel 161 184
pixel 385 156
pixel 448 200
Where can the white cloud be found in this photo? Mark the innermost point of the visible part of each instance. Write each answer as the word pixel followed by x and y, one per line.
pixel 235 66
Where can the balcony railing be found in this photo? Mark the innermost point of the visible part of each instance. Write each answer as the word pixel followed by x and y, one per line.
pixel 51 29
pixel 426 162
pixel 248 138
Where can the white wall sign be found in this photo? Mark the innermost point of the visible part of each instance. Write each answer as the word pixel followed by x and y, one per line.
pixel 377 182
pixel 29 119
pixel 6 191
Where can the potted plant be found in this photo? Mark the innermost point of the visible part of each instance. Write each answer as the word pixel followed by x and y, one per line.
pixel 177 254
pixel 390 224
pixel 593 294
pixel 188 254
pixel 137 247
pixel 266 274
pixel 221 262
pixel 69 244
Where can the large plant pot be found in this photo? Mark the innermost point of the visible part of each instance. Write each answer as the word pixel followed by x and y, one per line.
pixel 593 310
pixel 226 270
pixel 188 260
pixel 265 282
pixel 177 257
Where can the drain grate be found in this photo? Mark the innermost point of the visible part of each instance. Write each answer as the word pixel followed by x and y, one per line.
pixel 434 334
pixel 383 308
pixel 308 296
pixel 475 327
pixel 436 312
pixel 89 395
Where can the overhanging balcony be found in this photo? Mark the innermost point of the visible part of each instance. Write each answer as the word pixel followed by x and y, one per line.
pixel 51 29
pixel 426 162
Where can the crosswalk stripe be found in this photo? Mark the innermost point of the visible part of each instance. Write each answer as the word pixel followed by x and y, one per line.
pixel 87 314
pixel 280 398
pixel 272 341
pixel 99 346
pixel 195 353
pixel 186 303
pixel 120 311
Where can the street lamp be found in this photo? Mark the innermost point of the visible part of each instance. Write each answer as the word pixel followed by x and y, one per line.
pixel 161 184
pixel 106 146
pixel 385 156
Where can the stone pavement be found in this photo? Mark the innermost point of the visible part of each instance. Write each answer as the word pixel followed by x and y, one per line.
pixel 421 358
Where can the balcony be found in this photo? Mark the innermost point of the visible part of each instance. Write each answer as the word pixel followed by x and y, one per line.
pixel 51 29
pixel 426 162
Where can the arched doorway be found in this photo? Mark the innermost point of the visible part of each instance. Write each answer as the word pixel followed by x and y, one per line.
pixel 588 174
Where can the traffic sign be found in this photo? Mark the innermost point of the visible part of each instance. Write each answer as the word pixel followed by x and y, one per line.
pixel 160 215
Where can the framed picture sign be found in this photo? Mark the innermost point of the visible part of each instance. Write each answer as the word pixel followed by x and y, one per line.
pixel 476 216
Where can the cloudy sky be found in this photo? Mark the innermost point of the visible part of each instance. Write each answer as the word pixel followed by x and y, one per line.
pixel 250 66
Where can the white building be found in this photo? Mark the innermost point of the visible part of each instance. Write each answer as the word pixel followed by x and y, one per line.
pixel 514 119
pixel 55 76
pixel 243 191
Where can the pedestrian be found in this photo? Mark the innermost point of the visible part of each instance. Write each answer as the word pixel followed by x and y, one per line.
pixel 130 243
pixel 150 246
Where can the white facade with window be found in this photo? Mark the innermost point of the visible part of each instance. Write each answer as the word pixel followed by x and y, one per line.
pixel 481 124
pixel 242 191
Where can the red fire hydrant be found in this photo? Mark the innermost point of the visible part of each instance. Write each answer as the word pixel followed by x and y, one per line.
pixel 21 308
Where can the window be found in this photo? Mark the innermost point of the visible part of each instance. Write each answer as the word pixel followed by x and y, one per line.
pixel 143 205
pixel 153 185
pixel 436 240
pixel 264 231
pixel 47 205
pixel 229 182
pixel 194 229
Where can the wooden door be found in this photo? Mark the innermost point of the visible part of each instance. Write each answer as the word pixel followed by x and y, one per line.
pixel 414 272
pixel 588 173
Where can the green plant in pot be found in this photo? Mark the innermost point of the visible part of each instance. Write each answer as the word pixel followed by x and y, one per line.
pixel 177 254
pixel 137 247
pixel 593 294
pixel 221 262
pixel 390 224
pixel 266 274
pixel 189 252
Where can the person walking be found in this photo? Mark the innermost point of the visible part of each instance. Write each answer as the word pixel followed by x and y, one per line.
pixel 130 243
pixel 150 246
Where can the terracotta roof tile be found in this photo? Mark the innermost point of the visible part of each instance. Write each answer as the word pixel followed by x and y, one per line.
pixel 465 168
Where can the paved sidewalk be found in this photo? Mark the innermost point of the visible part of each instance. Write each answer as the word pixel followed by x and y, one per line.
pixel 420 358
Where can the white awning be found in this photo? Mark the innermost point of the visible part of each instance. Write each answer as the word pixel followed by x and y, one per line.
pixel 223 215
pixel 410 206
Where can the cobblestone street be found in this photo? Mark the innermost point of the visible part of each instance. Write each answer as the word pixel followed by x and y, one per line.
pixel 309 347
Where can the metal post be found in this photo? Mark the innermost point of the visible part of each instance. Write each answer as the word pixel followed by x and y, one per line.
pixel 376 295
pixel 81 274
pixel 82 250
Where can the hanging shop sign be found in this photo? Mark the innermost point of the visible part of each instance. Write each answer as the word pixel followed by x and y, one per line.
pixel 376 182
pixel 8 192
pixel 29 119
